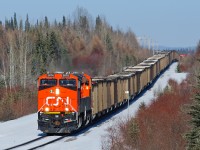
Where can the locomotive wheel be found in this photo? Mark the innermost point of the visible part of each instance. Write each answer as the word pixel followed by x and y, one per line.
pixel 88 119
pixel 80 121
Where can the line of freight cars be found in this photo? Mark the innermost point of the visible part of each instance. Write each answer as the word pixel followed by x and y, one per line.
pixel 70 100
pixel 111 91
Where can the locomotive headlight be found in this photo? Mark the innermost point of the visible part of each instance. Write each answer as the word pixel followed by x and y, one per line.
pixel 57 91
pixel 66 109
pixel 46 109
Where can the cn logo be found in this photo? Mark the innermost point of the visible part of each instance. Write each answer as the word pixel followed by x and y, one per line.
pixel 58 100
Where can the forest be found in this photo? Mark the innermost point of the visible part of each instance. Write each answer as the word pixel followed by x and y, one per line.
pixel 79 43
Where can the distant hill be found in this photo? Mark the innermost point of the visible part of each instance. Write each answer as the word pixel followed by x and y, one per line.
pixel 183 50
pixel 176 48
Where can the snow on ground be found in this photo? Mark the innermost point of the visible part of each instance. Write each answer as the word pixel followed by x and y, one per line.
pixel 24 129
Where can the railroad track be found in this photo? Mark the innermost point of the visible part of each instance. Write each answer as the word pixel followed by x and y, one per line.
pixel 47 143
pixel 29 144
pixel 26 143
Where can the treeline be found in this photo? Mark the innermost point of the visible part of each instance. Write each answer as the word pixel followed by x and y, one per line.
pixel 170 122
pixel 80 44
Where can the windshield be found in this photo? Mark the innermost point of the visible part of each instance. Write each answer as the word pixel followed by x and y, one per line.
pixel 68 83
pixel 47 83
pixel 50 82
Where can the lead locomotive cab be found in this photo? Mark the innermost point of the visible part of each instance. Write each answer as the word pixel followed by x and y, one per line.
pixel 64 102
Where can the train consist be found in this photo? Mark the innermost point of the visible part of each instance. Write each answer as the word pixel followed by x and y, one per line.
pixel 70 100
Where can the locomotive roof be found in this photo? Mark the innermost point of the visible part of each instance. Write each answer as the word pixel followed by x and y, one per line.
pixel 62 74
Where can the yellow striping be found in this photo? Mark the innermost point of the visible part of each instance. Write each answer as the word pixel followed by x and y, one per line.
pixel 51 112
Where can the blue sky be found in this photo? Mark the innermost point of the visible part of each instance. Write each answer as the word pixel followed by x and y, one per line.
pixel 174 23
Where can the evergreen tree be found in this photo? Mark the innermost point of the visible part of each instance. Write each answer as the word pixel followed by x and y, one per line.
pixel 37 23
pixel 98 24
pixel 11 24
pixel 46 22
pixel 39 61
pixel 108 42
pixel 59 25
pixel 127 61
pixel 55 51
pixel 46 49
pixel 64 21
pixel 21 24
pixel 193 137
pixel 15 21
pixel 6 24
pixel 84 23
pixel 27 24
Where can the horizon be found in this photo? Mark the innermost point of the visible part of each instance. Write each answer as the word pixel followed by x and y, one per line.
pixel 170 24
